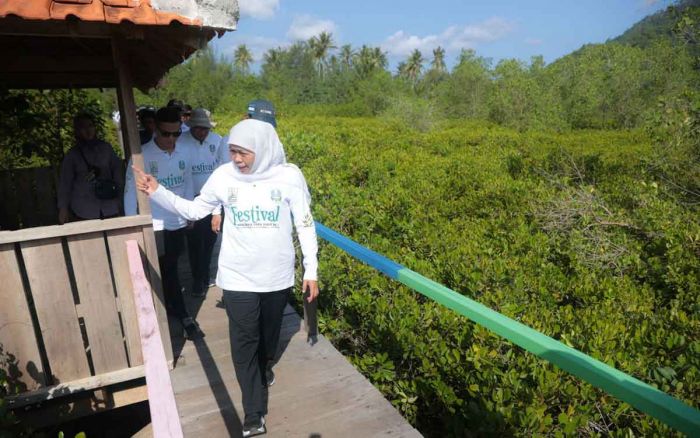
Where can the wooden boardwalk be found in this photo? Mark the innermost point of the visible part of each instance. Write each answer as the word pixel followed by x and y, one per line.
pixel 317 392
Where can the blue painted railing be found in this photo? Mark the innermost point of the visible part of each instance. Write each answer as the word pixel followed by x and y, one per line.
pixel 646 398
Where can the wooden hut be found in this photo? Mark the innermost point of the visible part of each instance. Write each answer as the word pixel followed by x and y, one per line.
pixel 68 330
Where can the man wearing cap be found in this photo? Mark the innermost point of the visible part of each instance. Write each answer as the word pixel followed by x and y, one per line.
pixel 203 147
pixel 258 109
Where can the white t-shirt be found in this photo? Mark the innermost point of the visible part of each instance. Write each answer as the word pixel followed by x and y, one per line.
pixel 173 171
pixel 204 156
pixel 257 250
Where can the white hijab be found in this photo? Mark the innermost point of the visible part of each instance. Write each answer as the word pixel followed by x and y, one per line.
pixel 260 138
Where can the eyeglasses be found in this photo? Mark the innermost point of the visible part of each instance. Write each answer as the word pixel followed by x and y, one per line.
pixel 175 134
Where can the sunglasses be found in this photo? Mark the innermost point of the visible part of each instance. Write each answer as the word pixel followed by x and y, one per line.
pixel 175 134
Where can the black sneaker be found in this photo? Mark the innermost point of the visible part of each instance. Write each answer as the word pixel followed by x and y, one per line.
pixel 254 426
pixel 270 377
pixel 192 330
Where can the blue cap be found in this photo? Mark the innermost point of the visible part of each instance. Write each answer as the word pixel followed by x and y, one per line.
pixel 263 110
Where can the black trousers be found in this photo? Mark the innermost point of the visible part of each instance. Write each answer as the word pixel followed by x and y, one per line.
pixel 200 245
pixel 255 319
pixel 173 246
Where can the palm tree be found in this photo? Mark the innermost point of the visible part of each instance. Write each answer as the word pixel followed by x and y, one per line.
pixel 242 59
pixel 346 55
pixel 379 58
pixel 273 57
pixel 320 45
pixel 401 70
pixel 369 59
pixel 414 66
pixel 438 63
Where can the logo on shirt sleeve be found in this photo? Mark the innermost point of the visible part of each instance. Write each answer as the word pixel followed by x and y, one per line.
pixel 308 220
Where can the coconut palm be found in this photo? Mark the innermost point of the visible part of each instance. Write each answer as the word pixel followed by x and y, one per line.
pixel 414 66
pixel 346 56
pixel 242 59
pixel 320 45
pixel 369 59
pixel 438 63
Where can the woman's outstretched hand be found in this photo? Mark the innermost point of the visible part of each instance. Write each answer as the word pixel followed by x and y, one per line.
pixel 145 182
pixel 312 287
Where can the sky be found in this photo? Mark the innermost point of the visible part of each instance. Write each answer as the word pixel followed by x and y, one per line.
pixel 496 29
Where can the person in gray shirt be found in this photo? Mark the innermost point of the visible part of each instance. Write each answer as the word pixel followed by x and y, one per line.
pixel 90 161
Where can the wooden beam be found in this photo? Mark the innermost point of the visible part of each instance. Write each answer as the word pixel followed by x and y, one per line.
pixel 76 386
pixel 57 80
pixel 57 64
pixel 83 404
pixel 164 415
pixel 73 228
pixel 127 109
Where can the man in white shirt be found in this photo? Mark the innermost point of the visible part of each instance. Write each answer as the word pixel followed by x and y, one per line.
pixel 202 146
pixel 170 164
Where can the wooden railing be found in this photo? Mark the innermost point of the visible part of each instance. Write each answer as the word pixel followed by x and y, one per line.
pixel 67 319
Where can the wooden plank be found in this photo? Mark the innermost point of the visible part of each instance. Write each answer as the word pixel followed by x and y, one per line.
pixel 164 415
pixel 116 240
pixel 153 270
pixel 27 208
pixel 98 304
pixel 9 215
pixel 53 299
pixel 81 405
pixel 17 336
pixel 47 211
pixel 74 228
pixel 129 396
pixel 76 386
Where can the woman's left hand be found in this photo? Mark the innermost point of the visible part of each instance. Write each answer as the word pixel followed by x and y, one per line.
pixel 312 287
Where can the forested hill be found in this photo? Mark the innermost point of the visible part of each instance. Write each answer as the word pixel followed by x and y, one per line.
pixel 654 27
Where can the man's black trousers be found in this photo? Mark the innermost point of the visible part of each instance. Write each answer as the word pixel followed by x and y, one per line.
pixel 200 245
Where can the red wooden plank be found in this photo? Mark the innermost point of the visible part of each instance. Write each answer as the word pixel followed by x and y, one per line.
pixel 164 415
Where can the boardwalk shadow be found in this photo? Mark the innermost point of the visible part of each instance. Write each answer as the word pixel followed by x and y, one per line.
pixel 223 399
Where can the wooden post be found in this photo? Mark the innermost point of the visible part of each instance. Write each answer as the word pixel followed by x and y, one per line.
pixel 132 147
pixel 127 111
pixel 164 415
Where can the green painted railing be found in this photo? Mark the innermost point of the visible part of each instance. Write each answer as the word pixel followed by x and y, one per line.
pixel 646 398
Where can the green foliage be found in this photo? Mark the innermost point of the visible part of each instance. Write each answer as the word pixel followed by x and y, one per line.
pixel 203 81
pixel 36 127
pixel 10 426
pixel 660 25
pixel 413 113
pixel 567 233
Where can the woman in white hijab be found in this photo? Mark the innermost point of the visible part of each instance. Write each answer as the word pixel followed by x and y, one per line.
pixel 263 197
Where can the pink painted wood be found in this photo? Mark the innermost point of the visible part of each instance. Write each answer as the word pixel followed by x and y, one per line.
pixel 161 400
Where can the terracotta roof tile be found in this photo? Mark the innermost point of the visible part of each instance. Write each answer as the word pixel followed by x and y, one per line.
pixel 111 11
